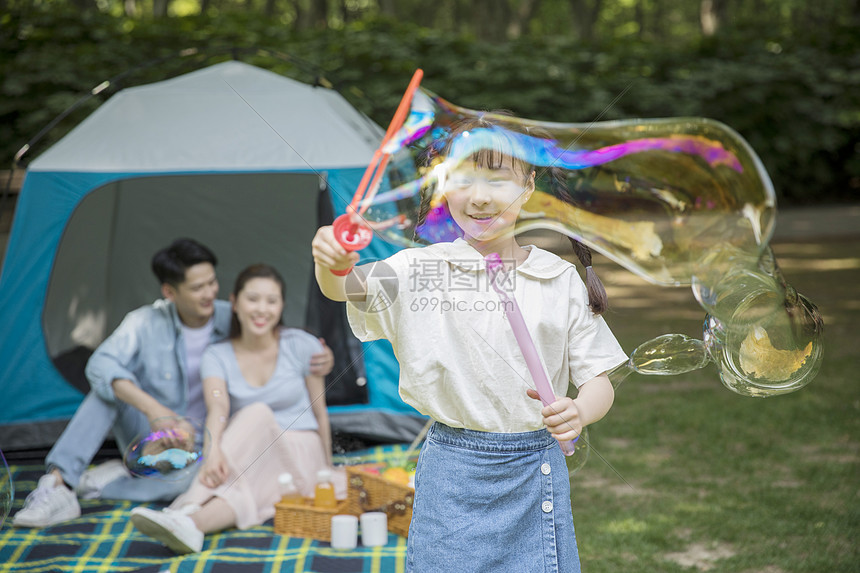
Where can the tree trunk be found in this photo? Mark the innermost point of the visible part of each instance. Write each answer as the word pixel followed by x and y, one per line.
pixel 711 15
pixel 596 6
pixel 578 14
pixel 307 14
pixel 461 15
pixel 657 25
pixel 522 17
pixel 490 19
pixel 84 5
pixel 388 8
pixel 159 8
pixel 639 12
pixel 584 17
pixel 318 14
pixel 341 11
pixel 130 8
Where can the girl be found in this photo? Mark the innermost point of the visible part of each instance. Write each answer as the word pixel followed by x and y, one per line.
pixel 492 488
pixel 279 423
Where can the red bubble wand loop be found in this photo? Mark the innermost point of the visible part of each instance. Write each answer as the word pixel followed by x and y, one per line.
pixel 525 342
pixel 350 229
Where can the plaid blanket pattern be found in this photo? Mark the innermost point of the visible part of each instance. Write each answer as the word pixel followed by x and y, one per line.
pixel 103 540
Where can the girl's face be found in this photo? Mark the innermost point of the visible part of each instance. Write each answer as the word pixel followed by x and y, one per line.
pixel 259 306
pixel 485 202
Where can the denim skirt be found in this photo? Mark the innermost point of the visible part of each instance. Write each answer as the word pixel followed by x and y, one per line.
pixel 491 502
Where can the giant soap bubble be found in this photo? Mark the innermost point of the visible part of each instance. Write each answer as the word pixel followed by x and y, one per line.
pixel 681 201
pixel 7 490
pixel 170 452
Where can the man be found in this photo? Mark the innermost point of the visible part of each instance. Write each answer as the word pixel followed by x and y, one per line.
pixel 143 376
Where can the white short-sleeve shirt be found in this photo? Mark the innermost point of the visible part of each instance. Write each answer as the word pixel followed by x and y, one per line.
pixel 460 363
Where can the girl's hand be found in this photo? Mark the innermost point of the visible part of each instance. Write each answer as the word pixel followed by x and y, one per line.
pixel 215 469
pixel 562 417
pixel 330 254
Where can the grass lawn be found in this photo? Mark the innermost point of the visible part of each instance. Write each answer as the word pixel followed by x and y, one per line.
pixel 690 476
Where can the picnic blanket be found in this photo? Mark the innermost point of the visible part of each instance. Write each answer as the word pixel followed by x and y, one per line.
pixel 103 540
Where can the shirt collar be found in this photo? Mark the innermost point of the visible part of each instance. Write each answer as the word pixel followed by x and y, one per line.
pixel 170 308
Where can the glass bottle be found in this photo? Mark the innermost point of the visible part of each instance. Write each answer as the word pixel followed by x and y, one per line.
pixel 289 492
pixel 324 491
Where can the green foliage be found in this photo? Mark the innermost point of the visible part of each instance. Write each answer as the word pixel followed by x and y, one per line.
pixel 796 100
pixel 689 472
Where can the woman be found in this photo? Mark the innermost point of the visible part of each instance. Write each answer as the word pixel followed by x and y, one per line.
pixel 279 421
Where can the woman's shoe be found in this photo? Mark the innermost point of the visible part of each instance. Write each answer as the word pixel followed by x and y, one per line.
pixel 174 529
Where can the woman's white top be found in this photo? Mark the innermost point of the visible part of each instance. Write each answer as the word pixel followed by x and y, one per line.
pixel 460 363
pixel 286 392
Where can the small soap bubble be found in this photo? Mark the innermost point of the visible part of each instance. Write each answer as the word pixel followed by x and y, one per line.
pixel 170 451
pixel 7 490
pixel 581 451
pixel 778 353
pixel 669 354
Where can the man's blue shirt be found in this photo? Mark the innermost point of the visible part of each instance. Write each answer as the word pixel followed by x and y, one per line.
pixel 147 348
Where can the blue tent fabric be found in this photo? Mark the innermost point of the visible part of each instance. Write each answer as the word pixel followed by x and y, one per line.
pixel 27 376
pixel 104 159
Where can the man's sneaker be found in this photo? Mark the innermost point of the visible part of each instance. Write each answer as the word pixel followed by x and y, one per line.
pixel 95 479
pixel 172 528
pixel 48 504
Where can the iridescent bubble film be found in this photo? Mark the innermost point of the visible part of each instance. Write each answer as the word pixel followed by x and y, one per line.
pixel 669 354
pixel 169 453
pixel 7 490
pixel 581 450
pixel 680 201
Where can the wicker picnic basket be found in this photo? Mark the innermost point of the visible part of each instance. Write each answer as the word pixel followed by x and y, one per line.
pixel 305 520
pixel 371 492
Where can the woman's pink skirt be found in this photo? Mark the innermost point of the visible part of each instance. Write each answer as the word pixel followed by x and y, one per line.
pixel 258 451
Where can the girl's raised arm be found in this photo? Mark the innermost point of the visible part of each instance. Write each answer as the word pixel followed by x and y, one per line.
pixel 330 256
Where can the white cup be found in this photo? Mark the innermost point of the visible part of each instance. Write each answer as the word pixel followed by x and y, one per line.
pixel 374 528
pixel 344 531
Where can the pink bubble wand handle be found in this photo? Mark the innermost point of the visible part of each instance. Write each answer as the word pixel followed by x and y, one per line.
pixel 525 342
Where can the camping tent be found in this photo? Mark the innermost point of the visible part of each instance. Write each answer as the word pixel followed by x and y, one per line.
pixel 242 159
